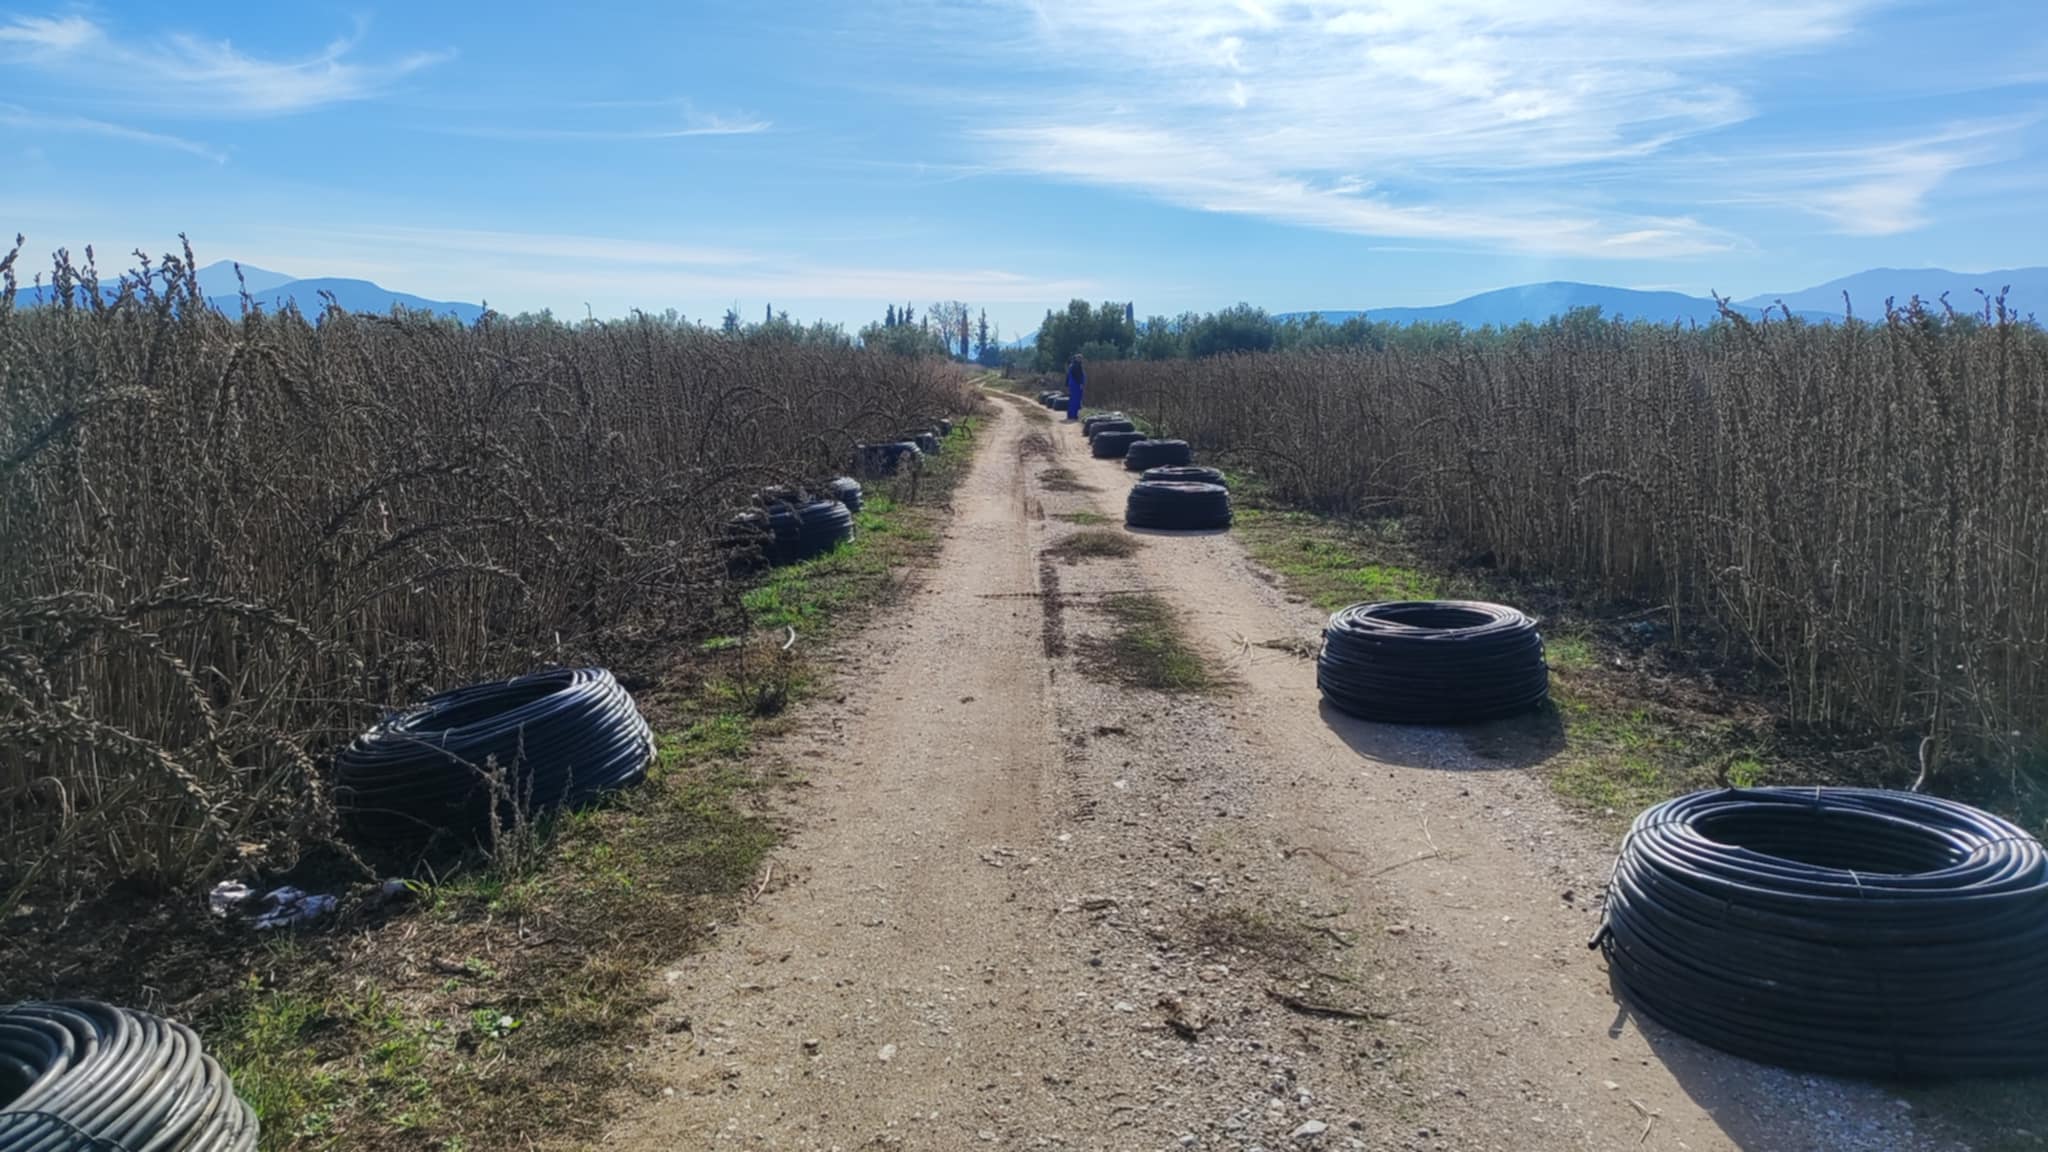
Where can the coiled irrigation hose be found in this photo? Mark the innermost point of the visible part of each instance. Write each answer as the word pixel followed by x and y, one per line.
pixel 1173 506
pixel 1109 444
pixel 809 528
pixel 1091 423
pixel 1188 474
pixel 1144 454
pixel 1851 931
pixel 560 737
pixel 78 1075
pixel 1432 662
pixel 887 459
pixel 846 490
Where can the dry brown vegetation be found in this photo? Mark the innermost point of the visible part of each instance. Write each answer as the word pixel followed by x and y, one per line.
pixel 1093 544
pixel 231 542
pixel 1862 509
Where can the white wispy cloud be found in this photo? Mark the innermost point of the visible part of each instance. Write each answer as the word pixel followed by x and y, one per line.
pixel 1883 189
pixel 197 76
pixel 49 33
pixel 670 118
pixel 1426 119
pixel 1868 184
pixel 651 132
pixel 15 116
pixel 1212 178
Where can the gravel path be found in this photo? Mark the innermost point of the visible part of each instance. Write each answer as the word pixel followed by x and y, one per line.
pixel 1023 908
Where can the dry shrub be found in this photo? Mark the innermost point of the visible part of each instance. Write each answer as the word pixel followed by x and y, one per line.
pixel 1861 507
pixel 231 542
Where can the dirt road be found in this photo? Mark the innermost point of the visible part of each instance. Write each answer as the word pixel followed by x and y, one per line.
pixel 1025 906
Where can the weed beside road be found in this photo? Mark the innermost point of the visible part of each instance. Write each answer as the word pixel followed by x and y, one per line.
pixel 1146 647
pixel 1856 506
pixel 500 1005
pixel 1631 721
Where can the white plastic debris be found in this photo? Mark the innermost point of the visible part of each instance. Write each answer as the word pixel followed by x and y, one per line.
pixel 287 907
pixel 228 898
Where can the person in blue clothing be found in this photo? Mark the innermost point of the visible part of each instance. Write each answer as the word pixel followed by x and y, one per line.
pixel 1076 380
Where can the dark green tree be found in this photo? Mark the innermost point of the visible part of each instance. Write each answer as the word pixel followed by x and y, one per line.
pixel 1102 332
pixel 903 339
pixel 1238 328
pixel 1158 339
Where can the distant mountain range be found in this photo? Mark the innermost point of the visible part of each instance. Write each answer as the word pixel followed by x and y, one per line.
pixel 1867 291
pixel 273 290
pixel 2026 288
pixel 218 279
pixel 1535 303
pixel 2027 296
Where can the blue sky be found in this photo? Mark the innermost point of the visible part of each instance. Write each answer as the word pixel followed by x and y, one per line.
pixel 830 158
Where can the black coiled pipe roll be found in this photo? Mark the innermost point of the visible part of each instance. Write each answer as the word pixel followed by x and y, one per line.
pixel 1852 931
pixel 1432 662
pixel 561 737
pixel 1091 423
pixel 1185 475
pixel 1177 507
pixel 1111 445
pixel 810 528
pixel 1106 427
pixel 886 459
pixel 80 1075
pixel 1145 454
pixel 847 491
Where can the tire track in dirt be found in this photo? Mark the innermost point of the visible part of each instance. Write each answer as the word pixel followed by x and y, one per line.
pixel 1053 632
pixel 898 989
pixel 1486 891
pixel 1030 908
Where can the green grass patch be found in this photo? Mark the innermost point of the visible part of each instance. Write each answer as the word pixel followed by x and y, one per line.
pixel 1619 743
pixel 339 1052
pixel 1614 756
pixel 805 596
pixel 724 735
pixel 1093 544
pixel 1086 519
pixel 500 1005
pixel 1145 648
pixel 1620 756
pixel 1335 564
pixel 1063 480
pixel 1747 772
pixel 1144 426
pixel 897 527
pixel 1568 653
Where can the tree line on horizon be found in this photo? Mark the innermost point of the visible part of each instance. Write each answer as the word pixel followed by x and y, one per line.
pixel 1109 331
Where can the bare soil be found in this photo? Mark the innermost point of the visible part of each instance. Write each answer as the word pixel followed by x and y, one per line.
pixel 1022 906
